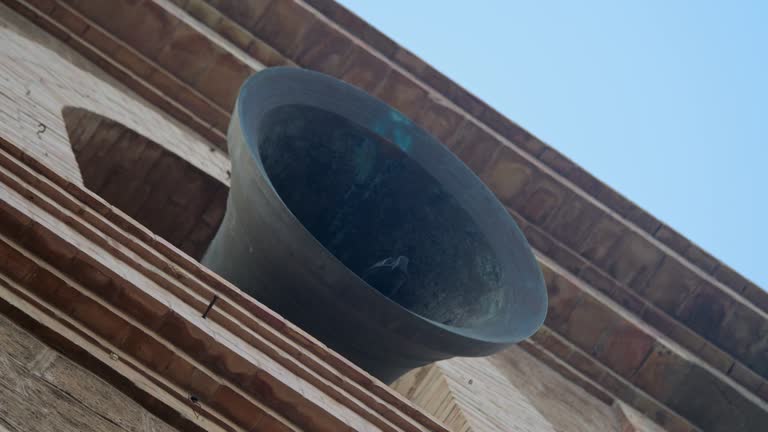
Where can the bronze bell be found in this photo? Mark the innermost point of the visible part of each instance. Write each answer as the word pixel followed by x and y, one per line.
pixel 364 230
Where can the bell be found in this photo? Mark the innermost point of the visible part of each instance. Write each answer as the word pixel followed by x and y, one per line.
pixel 356 225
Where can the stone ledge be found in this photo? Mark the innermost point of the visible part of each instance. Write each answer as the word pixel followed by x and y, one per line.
pixel 640 307
pixel 607 337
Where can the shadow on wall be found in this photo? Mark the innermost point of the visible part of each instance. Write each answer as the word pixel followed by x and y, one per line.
pixel 157 188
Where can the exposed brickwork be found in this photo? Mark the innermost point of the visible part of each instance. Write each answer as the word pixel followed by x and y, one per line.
pixel 644 266
pixel 635 268
pixel 157 188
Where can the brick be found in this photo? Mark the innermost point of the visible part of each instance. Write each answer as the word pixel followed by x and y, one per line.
pixel 143 25
pixel 672 328
pixel 196 382
pixel 629 300
pixel 563 298
pixel 512 132
pixel 585 364
pixel 270 57
pixel 235 407
pixel 438 118
pixel 282 25
pixel 588 322
pixel 66 18
pixel 233 32
pixel 662 373
pixel 599 280
pixel 586 181
pixel 757 356
pixel 133 62
pixel 44 6
pixel 642 219
pixel 188 54
pixel 555 160
pixel 246 13
pixel 101 320
pixel 671 285
pixel 676 241
pixel 15 265
pixel 44 283
pixel 475 147
pixel 402 93
pixel 567 259
pixel 453 92
pixel 199 106
pixel 538 239
pixel 704 311
pixel 541 199
pixel 150 352
pixel 204 12
pixel 93 279
pixel 616 386
pixel 214 213
pixel 364 70
pixel 756 295
pixel 746 377
pixel 635 260
pixel 508 175
pixel 528 142
pixel 573 221
pixel 614 200
pixel 600 242
pixel 222 80
pixel 323 48
pixel 730 278
pixel 624 349
pixel 763 391
pixel 701 258
pixel 49 247
pixel 145 309
pixel 708 401
pixel 654 411
pixel 13 223
pixel 557 346
pixel 198 344
pixel 410 61
pixel 356 26
pixel 715 357
pixel 743 333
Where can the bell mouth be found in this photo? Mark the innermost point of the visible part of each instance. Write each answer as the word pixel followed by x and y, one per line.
pixel 367 201
pixel 369 185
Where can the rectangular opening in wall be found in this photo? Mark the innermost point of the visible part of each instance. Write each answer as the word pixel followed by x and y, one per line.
pixel 168 195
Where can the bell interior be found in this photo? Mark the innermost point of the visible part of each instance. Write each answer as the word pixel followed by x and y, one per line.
pixel 366 199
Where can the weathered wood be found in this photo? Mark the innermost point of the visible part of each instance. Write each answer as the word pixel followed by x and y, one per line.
pixel 509 391
pixel 41 390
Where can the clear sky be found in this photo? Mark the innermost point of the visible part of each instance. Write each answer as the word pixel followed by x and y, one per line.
pixel 666 101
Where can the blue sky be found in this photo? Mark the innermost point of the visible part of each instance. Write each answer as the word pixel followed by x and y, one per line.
pixel 666 101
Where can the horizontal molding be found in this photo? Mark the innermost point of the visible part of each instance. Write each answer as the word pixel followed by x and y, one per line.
pixel 239 314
